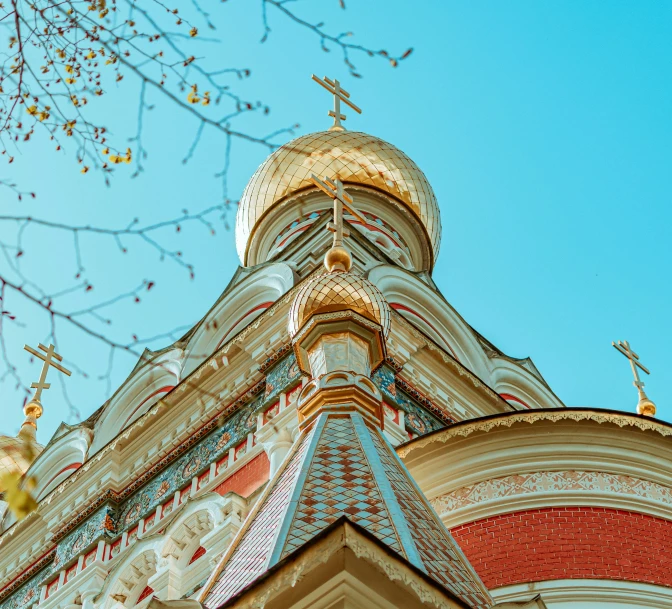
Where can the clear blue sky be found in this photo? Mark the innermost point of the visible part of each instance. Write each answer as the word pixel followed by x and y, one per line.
pixel 544 127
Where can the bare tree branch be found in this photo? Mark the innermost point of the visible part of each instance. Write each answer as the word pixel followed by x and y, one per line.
pixel 62 57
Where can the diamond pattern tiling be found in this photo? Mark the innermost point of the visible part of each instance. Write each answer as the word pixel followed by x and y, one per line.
pixel 439 552
pixel 249 560
pixel 340 482
pixel 337 291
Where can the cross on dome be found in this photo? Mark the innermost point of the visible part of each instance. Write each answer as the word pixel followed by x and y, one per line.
pixel 340 95
pixel 48 358
pixel 645 405
pixel 33 409
pixel 338 256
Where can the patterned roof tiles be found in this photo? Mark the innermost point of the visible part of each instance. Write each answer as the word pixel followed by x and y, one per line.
pixel 342 467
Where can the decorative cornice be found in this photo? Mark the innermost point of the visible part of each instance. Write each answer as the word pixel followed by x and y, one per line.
pixel 605 592
pixel 423 400
pixel 162 463
pixel 447 358
pixel 508 419
pixel 28 573
pixel 275 357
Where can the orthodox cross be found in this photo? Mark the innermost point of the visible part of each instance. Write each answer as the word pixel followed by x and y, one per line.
pixel 340 95
pixel 48 358
pixel 645 406
pixel 334 190
pixel 624 347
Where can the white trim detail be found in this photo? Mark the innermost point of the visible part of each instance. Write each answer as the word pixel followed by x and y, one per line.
pixel 589 594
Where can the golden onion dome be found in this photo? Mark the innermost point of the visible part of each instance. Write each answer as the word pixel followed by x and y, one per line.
pixel 18 453
pixel 338 291
pixel 354 158
pixel 14 458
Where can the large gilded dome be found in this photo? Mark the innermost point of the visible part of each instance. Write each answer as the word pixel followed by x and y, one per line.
pixel 353 157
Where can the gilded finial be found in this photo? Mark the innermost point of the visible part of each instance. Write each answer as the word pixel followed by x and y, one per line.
pixel 644 406
pixel 33 409
pixel 338 258
pixel 340 95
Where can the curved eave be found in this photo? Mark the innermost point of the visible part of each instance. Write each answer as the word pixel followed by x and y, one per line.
pixel 507 419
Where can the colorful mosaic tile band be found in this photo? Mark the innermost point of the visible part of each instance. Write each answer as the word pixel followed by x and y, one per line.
pixel 192 463
pixel 418 420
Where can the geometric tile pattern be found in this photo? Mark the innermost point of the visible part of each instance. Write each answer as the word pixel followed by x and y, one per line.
pixel 336 291
pixel 553 482
pixel 342 467
pixel 340 482
pixel 441 556
pixel 250 558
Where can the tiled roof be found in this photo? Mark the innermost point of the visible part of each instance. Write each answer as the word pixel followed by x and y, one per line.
pixel 342 467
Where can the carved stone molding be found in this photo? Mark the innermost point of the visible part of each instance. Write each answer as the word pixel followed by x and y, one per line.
pixel 554 415
pixel 551 482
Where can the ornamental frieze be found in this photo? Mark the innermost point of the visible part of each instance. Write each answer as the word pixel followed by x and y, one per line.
pixel 418 420
pixel 551 482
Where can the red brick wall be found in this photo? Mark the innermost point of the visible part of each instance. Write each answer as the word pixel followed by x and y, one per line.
pixel 568 543
pixel 248 478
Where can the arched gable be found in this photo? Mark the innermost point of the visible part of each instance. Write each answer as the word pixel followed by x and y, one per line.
pixel 60 459
pixel 428 311
pixel 519 386
pixel 240 306
pixel 139 392
pixel 171 548
pixel 199 517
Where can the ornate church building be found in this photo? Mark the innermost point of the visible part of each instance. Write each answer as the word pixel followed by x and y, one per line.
pixel 334 435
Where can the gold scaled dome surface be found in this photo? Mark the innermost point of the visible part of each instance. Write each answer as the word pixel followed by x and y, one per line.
pixel 338 291
pixel 12 457
pixel 351 156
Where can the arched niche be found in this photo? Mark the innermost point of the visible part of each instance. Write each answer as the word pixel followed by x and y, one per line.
pixel 128 579
pixel 240 306
pixel 141 390
pixel 185 534
pixel 429 312
pixel 60 458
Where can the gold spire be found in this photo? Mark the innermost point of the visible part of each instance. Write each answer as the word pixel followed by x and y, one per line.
pixel 340 95
pixel 645 406
pixel 338 258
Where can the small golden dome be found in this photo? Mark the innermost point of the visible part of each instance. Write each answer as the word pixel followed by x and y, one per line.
pixel 18 453
pixel 339 291
pixel 354 158
pixel 14 459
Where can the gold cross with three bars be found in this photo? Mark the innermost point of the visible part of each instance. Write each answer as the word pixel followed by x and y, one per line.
pixel 48 358
pixel 340 95
pixel 624 347
pixel 334 190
